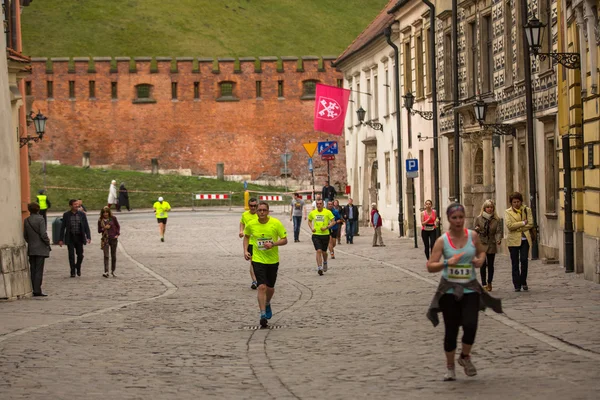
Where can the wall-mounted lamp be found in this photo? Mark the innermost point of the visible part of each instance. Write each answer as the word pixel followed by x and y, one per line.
pixel 409 101
pixel 361 118
pixel 499 129
pixel 39 122
pixel 534 30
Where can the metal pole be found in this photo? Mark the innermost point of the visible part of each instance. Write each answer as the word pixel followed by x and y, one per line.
pixel 569 240
pixel 388 33
pixel 328 176
pixel 455 95
pixel 414 213
pixel 530 137
pixel 285 155
pixel 432 70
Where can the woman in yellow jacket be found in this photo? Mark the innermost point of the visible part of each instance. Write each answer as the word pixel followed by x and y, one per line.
pixel 519 221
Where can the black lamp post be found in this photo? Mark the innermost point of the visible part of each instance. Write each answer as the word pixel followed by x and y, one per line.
pixel 409 101
pixel 39 121
pixel 361 118
pixel 499 129
pixel 534 31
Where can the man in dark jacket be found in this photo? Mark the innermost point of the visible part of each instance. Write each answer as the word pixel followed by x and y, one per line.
pixel 75 233
pixel 38 249
pixel 350 214
pixel 328 193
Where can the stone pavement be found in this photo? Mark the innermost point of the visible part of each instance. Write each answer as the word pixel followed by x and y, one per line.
pixel 179 323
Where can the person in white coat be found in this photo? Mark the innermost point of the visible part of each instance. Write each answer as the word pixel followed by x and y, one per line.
pixel 112 193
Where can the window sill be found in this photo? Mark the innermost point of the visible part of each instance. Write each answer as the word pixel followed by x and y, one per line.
pixel 551 215
pixel 143 101
pixel 227 99
pixel 281 98
pixel 509 89
pixel 92 99
pixel 307 97
pixel 174 100
pixel 72 99
pixel 259 98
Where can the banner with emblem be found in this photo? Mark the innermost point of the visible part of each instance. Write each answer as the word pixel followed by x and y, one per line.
pixel 331 103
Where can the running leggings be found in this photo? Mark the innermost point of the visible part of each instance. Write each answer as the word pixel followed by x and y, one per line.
pixel 463 312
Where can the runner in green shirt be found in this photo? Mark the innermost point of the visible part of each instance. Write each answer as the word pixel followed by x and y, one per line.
pixel 319 222
pixel 161 207
pixel 247 217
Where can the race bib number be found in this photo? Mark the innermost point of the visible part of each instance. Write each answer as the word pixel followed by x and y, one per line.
pixel 460 273
pixel 162 214
pixel 260 243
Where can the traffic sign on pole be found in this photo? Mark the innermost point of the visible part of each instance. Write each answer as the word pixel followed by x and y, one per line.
pixel 412 168
pixel 310 148
pixel 328 148
pixel 327 157
pixel 310 165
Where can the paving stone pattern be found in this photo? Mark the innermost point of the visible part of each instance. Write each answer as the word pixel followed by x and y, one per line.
pixel 359 331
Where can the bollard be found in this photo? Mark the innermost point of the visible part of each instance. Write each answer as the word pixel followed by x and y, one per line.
pixel 85 161
pixel 221 171
pixel 246 199
pixel 154 166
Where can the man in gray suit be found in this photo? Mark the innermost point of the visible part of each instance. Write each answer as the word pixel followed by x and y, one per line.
pixel 34 230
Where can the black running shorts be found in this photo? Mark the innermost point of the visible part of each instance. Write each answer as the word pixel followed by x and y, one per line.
pixel 161 220
pixel 321 242
pixel 266 274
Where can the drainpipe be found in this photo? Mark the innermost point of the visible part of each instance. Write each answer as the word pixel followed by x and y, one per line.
pixel 455 95
pixel 388 33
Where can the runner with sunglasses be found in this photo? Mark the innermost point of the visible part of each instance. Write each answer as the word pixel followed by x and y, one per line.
pixel 247 217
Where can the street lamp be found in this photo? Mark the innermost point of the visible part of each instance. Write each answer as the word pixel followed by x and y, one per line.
pixel 499 129
pixel 534 33
pixel 361 118
pixel 39 121
pixel 409 101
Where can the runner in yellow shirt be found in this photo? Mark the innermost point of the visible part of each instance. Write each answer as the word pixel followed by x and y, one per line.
pixel 247 217
pixel 268 234
pixel 161 208
pixel 319 222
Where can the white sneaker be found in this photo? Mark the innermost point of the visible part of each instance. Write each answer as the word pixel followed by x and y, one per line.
pixel 450 375
pixel 320 270
pixel 468 365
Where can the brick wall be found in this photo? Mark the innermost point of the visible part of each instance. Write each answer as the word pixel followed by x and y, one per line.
pixel 248 134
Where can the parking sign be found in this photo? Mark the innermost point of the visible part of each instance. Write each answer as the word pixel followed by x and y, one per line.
pixel 412 168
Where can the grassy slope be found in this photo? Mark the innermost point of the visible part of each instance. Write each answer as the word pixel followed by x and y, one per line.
pixel 205 28
pixel 92 187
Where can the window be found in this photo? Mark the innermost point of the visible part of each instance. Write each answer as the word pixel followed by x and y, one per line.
pixel 510 159
pixel 551 178
pixel 407 68
pixel 227 89
pixel 375 97
pixel 258 89
pixel 388 192
pixel 545 15
pixel 472 59
pixel 50 89
pixel 114 93
pixel 92 87
pixel 451 179
pixel 173 90
pixel 508 44
pixel 478 167
pixel 387 91
pixel 520 61
pixel 71 89
pixel 369 97
pixel 340 83
pixel 279 88
pixel 522 174
pixel 358 103
pixel 309 89
pixel 421 177
pixel 487 55
pixel 428 49
pixel 27 88
pixel 419 66
pixel 144 93
pixel 448 65
pixel 351 117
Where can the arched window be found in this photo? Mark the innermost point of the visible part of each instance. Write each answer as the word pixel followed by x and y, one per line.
pixel 227 91
pixel 309 88
pixel 143 93
pixel 478 167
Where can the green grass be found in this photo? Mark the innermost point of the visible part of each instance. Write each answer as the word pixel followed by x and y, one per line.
pixel 202 28
pixel 65 182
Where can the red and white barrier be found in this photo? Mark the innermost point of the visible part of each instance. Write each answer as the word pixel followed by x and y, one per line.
pixel 212 196
pixel 270 198
pixel 306 196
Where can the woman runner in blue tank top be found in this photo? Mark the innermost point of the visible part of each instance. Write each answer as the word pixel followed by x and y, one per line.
pixel 462 253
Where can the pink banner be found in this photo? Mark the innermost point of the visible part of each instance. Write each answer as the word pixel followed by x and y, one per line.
pixel 331 103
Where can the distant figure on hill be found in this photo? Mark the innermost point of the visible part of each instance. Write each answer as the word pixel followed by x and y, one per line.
pixel 123 198
pixel 44 202
pixel 112 194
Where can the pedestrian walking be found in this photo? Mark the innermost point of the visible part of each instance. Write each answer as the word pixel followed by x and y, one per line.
pixel 81 207
pixel 328 192
pixel 38 246
pixel 333 232
pixel 75 233
pixel 429 223
pixel 297 211
pixel 489 227
pixel 376 222
pixel 268 233
pixel 340 225
pixel 44 202
pixel 109 228
pixel 320 221
pixel 459 295
pixel 350 215
pixel 248 217
pixel 112 194
pixel 519 221
pixel 161 209
pixel 123 200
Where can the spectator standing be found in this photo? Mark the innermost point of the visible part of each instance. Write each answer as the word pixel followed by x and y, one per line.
pixel 123 200
pixel 75 233
pixel 112 194
pixel 489 227
pixel 350 214
pixel 296 213
pixel 519 221
pixel 38 246
pixel 376 222
pixel 109 227
pixel 81 207
pixel 328 193
pixel 44 202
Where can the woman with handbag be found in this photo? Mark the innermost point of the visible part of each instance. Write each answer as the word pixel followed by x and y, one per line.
pixel 489 227
pixel 519 221
pixel 429 223
pixel 110 229
pixel 38 249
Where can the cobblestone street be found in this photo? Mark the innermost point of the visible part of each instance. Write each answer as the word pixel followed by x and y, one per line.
pixel 179 323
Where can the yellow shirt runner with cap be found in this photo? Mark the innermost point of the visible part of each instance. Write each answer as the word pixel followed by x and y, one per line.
pixel 248 217
pixel 161 209
pixel 269 232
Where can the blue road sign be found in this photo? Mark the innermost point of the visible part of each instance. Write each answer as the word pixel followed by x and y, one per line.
pixel 326 148
pixel 412 168
pixel 310 165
